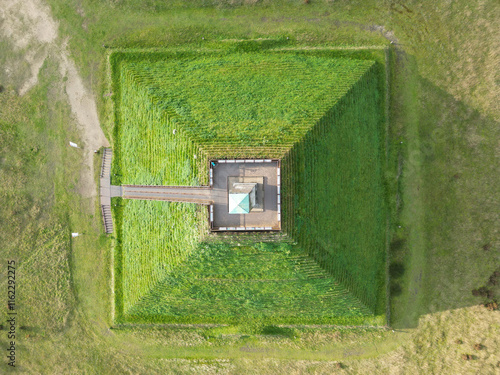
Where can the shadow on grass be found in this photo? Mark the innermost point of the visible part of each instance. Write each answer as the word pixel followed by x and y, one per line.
pixel 280 331
pixel 445 247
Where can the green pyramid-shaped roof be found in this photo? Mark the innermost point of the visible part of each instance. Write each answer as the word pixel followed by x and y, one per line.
pixel 320 115
pixel 239 203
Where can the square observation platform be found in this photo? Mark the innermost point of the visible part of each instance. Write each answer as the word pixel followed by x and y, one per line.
pixel 236 209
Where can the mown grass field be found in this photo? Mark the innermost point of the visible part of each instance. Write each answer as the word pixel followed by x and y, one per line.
pixel 241 104
pixel 443 77
pixel 33 215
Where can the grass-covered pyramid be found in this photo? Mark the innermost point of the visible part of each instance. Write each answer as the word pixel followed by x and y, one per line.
pixel 321 115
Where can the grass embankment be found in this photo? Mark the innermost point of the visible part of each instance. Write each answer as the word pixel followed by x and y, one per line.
pixel 150 149
pixel 192 93
pixel 153 238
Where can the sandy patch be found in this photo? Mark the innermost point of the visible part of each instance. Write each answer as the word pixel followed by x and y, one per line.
pixel 26 22
pixel 35 59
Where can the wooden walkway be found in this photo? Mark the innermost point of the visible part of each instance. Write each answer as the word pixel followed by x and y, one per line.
pixel 105 190
pixel 188 194
pixel 215 195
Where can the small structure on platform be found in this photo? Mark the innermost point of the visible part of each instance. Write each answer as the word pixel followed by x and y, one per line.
pixel 246 195
pixel 242 197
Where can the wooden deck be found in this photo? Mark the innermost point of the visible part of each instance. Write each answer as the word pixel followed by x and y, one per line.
pixel 269 216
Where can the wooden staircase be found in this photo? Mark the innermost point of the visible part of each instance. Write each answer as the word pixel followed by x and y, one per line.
pixel 106 163
pixel 105 190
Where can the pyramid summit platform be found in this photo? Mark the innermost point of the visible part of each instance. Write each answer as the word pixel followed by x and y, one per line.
pixel 264 213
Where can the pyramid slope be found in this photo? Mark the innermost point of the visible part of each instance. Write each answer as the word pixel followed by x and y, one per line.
pixel 226 284
pixel 333 192
pixel 245 104
pixel 151 149
pixel 151 245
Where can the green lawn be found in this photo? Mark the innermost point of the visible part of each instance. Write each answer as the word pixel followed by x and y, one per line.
pixel 33 209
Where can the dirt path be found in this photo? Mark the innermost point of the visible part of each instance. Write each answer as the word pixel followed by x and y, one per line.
pixel 29 26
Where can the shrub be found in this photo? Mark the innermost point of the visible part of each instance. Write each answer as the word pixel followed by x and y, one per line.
pixel 397 245
pixel 396 290
pixel 482 292
pixel 396 270
pixel 478 346
pixel 280 331
pixel 492 306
